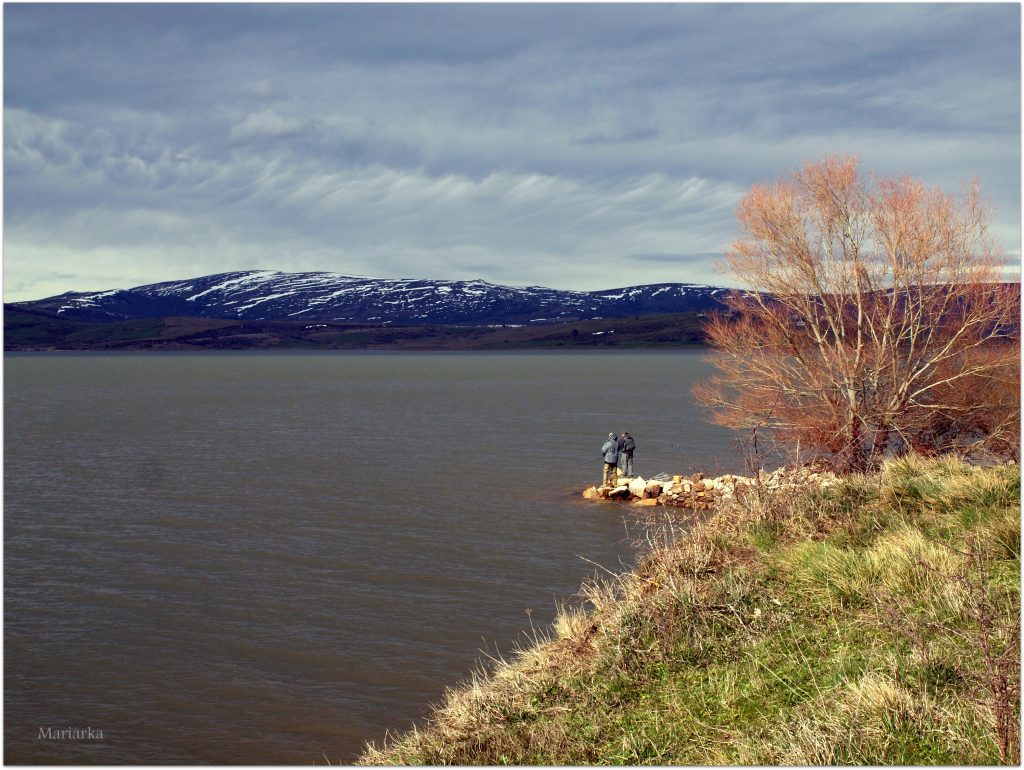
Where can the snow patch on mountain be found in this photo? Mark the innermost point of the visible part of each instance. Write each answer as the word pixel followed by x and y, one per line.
pixel 270 294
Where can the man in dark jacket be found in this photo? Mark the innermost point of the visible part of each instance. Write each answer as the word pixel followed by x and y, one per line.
pixel 610 452
pixel 626 447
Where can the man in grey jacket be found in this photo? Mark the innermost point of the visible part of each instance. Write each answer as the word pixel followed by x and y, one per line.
pixel 626 448
pixel 610 450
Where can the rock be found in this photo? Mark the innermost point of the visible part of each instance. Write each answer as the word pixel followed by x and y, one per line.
pixel 702 493
pixel 652 490
pixel 636 487
pixel 647 501
pixel 619 493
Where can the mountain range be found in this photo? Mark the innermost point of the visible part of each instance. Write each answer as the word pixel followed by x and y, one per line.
pixel 259 295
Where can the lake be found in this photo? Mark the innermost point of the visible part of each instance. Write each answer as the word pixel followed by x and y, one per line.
pixel 243 558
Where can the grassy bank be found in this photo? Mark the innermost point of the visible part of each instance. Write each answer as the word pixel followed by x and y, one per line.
pixel 876 622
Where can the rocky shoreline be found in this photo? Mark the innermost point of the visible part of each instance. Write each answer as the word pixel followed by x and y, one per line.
pixel 700 493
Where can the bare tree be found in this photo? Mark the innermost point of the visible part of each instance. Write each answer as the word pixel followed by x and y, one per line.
pixel 873 318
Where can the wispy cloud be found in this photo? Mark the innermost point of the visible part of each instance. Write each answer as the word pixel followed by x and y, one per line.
pixel 578 146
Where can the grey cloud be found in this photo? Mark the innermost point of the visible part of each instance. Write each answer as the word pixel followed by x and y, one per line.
pixel 549 142
pixel 38 282
pixel 701 257
pixel 640 135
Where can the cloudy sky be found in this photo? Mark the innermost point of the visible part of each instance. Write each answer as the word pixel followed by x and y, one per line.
pixel 572 146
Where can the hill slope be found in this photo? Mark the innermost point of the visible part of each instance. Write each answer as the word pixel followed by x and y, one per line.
pixel 272 295
pixel 877 622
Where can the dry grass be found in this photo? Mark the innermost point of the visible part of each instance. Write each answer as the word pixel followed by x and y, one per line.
pixel 860 624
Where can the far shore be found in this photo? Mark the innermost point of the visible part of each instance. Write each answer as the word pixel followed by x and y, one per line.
pixel 33 332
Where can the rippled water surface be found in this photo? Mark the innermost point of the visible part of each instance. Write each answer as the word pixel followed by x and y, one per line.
pixel 270 558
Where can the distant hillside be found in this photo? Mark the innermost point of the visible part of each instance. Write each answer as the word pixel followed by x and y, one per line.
pixel 271 295
pixel 28 329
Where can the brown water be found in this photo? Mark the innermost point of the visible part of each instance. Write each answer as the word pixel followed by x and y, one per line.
pixel 270 558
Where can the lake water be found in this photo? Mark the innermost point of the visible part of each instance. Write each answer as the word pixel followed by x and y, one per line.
pixel 272 558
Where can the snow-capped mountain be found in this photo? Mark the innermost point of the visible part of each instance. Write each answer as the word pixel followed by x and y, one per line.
pixel 269 294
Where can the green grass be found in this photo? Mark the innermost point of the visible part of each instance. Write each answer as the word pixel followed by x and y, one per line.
pixel 23 330
pixel 847 626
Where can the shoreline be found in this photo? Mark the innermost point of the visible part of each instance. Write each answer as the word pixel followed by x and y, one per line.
pixel 666 350
pixel 780 629
pixel 34 332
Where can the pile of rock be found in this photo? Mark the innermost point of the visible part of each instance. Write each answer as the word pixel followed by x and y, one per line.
pixel 635 489
pixel 701 493
pixel 696 492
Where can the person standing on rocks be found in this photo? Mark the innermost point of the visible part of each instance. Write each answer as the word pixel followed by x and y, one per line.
pixel 626 447
pixel 610 450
